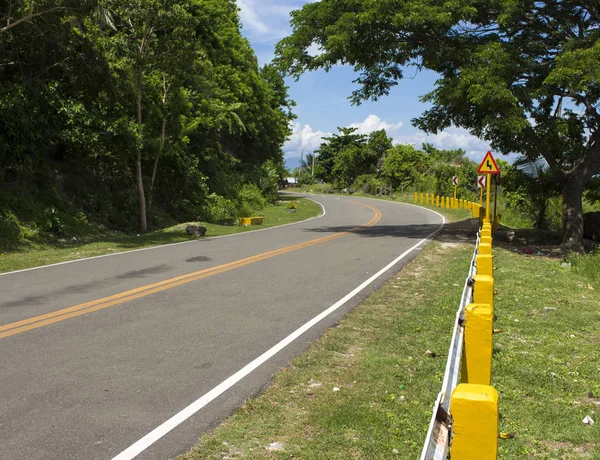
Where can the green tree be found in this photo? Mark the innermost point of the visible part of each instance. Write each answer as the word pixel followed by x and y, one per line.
pixel 404 166
pixel 330 148
pixel 524 75
pixel 529 187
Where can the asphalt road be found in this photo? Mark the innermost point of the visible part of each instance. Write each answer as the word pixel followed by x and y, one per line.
pixel 96 354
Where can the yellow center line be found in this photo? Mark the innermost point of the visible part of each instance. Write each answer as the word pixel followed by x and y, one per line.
pixel 143 291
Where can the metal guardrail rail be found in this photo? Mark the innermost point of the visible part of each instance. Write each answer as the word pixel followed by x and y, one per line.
pixel 437 441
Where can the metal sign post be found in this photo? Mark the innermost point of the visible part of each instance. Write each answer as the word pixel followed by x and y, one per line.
pixel 455 182
pixel 480 185
pixel 488 166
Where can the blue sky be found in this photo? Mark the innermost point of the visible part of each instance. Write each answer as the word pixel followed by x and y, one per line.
pixel 322 97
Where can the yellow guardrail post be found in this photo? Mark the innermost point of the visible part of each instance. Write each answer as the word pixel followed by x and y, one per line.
pixel 474 410
pixel 416 197
pixel 483 290
pixel 477 364
pixel 484 263
pixel 421 202
pixel 485 248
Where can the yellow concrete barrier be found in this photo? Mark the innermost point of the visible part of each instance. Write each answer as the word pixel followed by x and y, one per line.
pixel 477 364
pixel 474 410
pixel 244 221
pixel 486 240
pixel 485 248
pixel 427 198
pixel 483 290
pixel 484 264
pixel 437 201
pixel 421 198
pixel 475 210
pixel 416 197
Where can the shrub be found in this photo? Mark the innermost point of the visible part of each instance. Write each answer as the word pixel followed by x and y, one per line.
pixel 250 200
pixel 11 235
pixel 217 208
pixel 368 183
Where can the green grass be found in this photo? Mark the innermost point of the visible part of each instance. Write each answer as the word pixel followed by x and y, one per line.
pixel 545 367
pixel 44 254
pixel 546 361
pixel 587 265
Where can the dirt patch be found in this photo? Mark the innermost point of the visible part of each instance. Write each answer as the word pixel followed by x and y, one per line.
pixel 568 450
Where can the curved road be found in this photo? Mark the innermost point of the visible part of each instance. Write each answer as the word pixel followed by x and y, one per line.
pixel 97 354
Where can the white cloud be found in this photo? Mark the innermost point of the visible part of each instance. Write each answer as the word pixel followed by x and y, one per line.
pixel 250 18
pixel 455 138
pixel 303 138
pixel 266 21
pixel 374 123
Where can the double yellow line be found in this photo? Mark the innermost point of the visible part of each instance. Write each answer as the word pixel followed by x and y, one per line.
pixel 143 291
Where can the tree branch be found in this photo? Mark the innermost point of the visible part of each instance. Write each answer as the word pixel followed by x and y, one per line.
pixel 31 16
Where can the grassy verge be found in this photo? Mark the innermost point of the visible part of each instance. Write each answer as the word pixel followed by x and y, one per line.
pixel 64 251
pixel 366 388
pixel 546 364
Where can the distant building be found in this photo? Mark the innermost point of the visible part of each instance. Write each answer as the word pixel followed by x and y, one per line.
pixel 288 182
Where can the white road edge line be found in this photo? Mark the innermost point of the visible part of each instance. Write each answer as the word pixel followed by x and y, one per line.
pixel 139 446
pixel 323 213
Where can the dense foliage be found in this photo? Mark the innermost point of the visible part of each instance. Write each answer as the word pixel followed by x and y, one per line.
pixel 528 195
pixel 525 74
pixel 132 113
pixel 372 163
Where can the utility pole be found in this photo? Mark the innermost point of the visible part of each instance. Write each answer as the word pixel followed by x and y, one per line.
pixel 313 165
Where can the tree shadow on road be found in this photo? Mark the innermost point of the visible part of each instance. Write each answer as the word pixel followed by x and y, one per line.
pixel 464 231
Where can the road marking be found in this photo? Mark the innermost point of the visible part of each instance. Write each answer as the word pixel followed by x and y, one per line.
pixel 139 446
pixel 171 244
pixel 25 325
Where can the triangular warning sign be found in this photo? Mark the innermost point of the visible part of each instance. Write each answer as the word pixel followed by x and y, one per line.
pixel 488 165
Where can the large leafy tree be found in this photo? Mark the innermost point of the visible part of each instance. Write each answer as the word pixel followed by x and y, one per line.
pixel 524 74
pixel 404 166
pixel 347 141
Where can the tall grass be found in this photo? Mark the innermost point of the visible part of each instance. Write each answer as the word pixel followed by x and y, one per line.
pixel 587 265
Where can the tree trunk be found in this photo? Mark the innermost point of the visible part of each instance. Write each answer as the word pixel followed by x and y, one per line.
pixel 540 222
pixel 163 134
pixel 138 168
pixel 572 215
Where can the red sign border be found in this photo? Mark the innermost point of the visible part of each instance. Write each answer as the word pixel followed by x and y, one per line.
pixel 489 154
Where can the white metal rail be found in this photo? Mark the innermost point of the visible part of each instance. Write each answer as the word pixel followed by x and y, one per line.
pixel 438 437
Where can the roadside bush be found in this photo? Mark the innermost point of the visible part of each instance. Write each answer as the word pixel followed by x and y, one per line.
pixel 368 183
pixel 250 200
pixel 52 222
pixel 11 235
pixel 306 179
pixel 217 208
